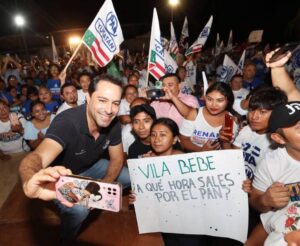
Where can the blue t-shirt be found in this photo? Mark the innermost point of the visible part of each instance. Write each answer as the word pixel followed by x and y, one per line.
pixel 5 95
pixel 54 86
pixel 52 106
pixel 250 86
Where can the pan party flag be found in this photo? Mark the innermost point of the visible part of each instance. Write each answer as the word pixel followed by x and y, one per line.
pixel 156 63
pixel 184 33
pixel 104 35
pixel 201 40
pixel 173 46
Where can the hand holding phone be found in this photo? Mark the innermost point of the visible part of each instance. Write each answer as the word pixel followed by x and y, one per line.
pixel 228 126
pixel 282 51
pixel 155 93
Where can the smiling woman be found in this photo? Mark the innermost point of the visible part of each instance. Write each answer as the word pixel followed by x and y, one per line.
pixel 200 129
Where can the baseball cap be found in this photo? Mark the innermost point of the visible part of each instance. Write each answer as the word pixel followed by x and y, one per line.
pixel 284 115
pixel 143 108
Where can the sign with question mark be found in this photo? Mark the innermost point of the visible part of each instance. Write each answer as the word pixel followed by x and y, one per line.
pixel 194 193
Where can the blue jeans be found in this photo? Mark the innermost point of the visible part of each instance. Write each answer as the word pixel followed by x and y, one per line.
pixel 72 218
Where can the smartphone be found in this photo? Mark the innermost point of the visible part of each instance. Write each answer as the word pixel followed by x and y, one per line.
pixel 155 93
pixel 283 50
pixel 88 192
pixel 228 123
pixel 13 117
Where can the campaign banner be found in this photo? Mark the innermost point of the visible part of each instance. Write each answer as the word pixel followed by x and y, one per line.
pixel 195 193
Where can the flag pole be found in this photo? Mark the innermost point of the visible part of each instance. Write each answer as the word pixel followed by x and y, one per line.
pixel 72 57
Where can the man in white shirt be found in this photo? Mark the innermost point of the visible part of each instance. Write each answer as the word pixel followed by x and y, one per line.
pixel 69 95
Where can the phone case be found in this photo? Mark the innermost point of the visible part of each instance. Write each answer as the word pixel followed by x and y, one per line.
pixel 89 192
pixel 14 119
pixel 228 123
pixel 282 51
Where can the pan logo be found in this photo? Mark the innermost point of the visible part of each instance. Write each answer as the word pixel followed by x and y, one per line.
pixel 170 69
pixel 108 30
pixel 226 73
pixel 205 32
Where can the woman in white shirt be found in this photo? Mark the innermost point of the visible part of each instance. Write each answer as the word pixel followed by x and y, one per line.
pixel 200 129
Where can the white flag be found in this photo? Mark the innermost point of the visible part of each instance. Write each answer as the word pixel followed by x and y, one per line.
pixel 156 62
pixel 201 40
pixel 104 35
pixel 218 47
pixel 173 46
pixel 170 64
pixel 205 83
pixel 184 32
pixel 242 61
pixel 54 51
pixel 228 70
pixel 229 43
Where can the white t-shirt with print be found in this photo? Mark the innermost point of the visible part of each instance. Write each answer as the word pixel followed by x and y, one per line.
pixel 279 166
pixel 12 142
pixel 280 222
pixel 254 148
pixel 200 131
pixel 241 93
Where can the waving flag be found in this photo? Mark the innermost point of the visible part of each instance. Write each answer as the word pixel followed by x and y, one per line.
pixel 170 64
pixel 156 63
pixel 205 83
pixel 173 46
pixel 228 70
pixel 218 47
pixel 242 61
pixel 184 32
pixel 201 40
pixel 104 35
pixel 54 51
pixel 229 43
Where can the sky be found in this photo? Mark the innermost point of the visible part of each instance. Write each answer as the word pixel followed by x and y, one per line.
pixel 279 18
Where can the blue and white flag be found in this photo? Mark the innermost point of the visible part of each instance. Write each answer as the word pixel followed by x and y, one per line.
pixel 242 61
pixel 104 35
pixel 201 40
pixel 156 61
pixel 184 33
pixel 173 46
pixel 228 70
pixel 170 64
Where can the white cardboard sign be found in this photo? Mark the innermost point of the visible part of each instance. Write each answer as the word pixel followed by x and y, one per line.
pixel 195 193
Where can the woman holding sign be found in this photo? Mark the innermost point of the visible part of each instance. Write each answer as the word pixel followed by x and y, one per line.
pixel 163 138
pixel 200 129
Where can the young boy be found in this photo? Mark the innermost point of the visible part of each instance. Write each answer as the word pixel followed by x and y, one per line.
pixel 253 138
pixel 277 180
pixel 142 117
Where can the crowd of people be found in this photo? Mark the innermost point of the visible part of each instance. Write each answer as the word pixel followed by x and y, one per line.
pixel 87 122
